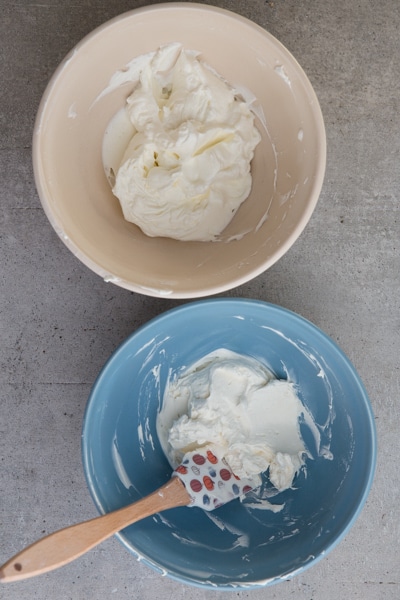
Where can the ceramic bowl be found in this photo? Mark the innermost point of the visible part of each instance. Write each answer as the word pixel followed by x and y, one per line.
pixel 287 169
pixel 237 546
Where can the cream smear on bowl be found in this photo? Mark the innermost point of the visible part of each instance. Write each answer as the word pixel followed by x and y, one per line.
pixel 178 154
pixel 234 402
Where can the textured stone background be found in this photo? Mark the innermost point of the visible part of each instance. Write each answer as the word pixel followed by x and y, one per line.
pixel 60 322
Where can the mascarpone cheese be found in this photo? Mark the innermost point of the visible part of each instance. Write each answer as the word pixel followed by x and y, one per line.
pixel 234 402
pixel 186 169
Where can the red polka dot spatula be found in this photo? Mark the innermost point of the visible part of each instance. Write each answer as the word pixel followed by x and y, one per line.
pixel 203 479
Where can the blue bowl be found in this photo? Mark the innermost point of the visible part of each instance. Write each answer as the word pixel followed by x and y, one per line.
pixel 236 546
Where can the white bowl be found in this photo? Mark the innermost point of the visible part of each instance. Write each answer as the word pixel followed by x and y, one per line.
pixel 288 167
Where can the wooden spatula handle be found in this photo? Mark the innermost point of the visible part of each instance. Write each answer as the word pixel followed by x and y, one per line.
pixel 63 546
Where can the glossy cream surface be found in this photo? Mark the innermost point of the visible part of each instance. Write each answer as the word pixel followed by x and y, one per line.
pixel 234 402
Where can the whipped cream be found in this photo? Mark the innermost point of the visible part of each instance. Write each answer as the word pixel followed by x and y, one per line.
pixel 186 167
pixel 234 402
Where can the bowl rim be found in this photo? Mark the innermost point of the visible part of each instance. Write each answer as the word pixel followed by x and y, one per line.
pixel 237 303
pixel 233 280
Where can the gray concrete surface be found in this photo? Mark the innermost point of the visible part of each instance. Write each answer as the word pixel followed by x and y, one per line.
pixel 60 322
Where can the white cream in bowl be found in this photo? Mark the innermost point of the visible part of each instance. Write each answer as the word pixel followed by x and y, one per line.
pixel 234 402
pixel 178 155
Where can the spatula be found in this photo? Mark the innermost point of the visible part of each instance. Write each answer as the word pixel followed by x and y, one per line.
pixel 203 479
